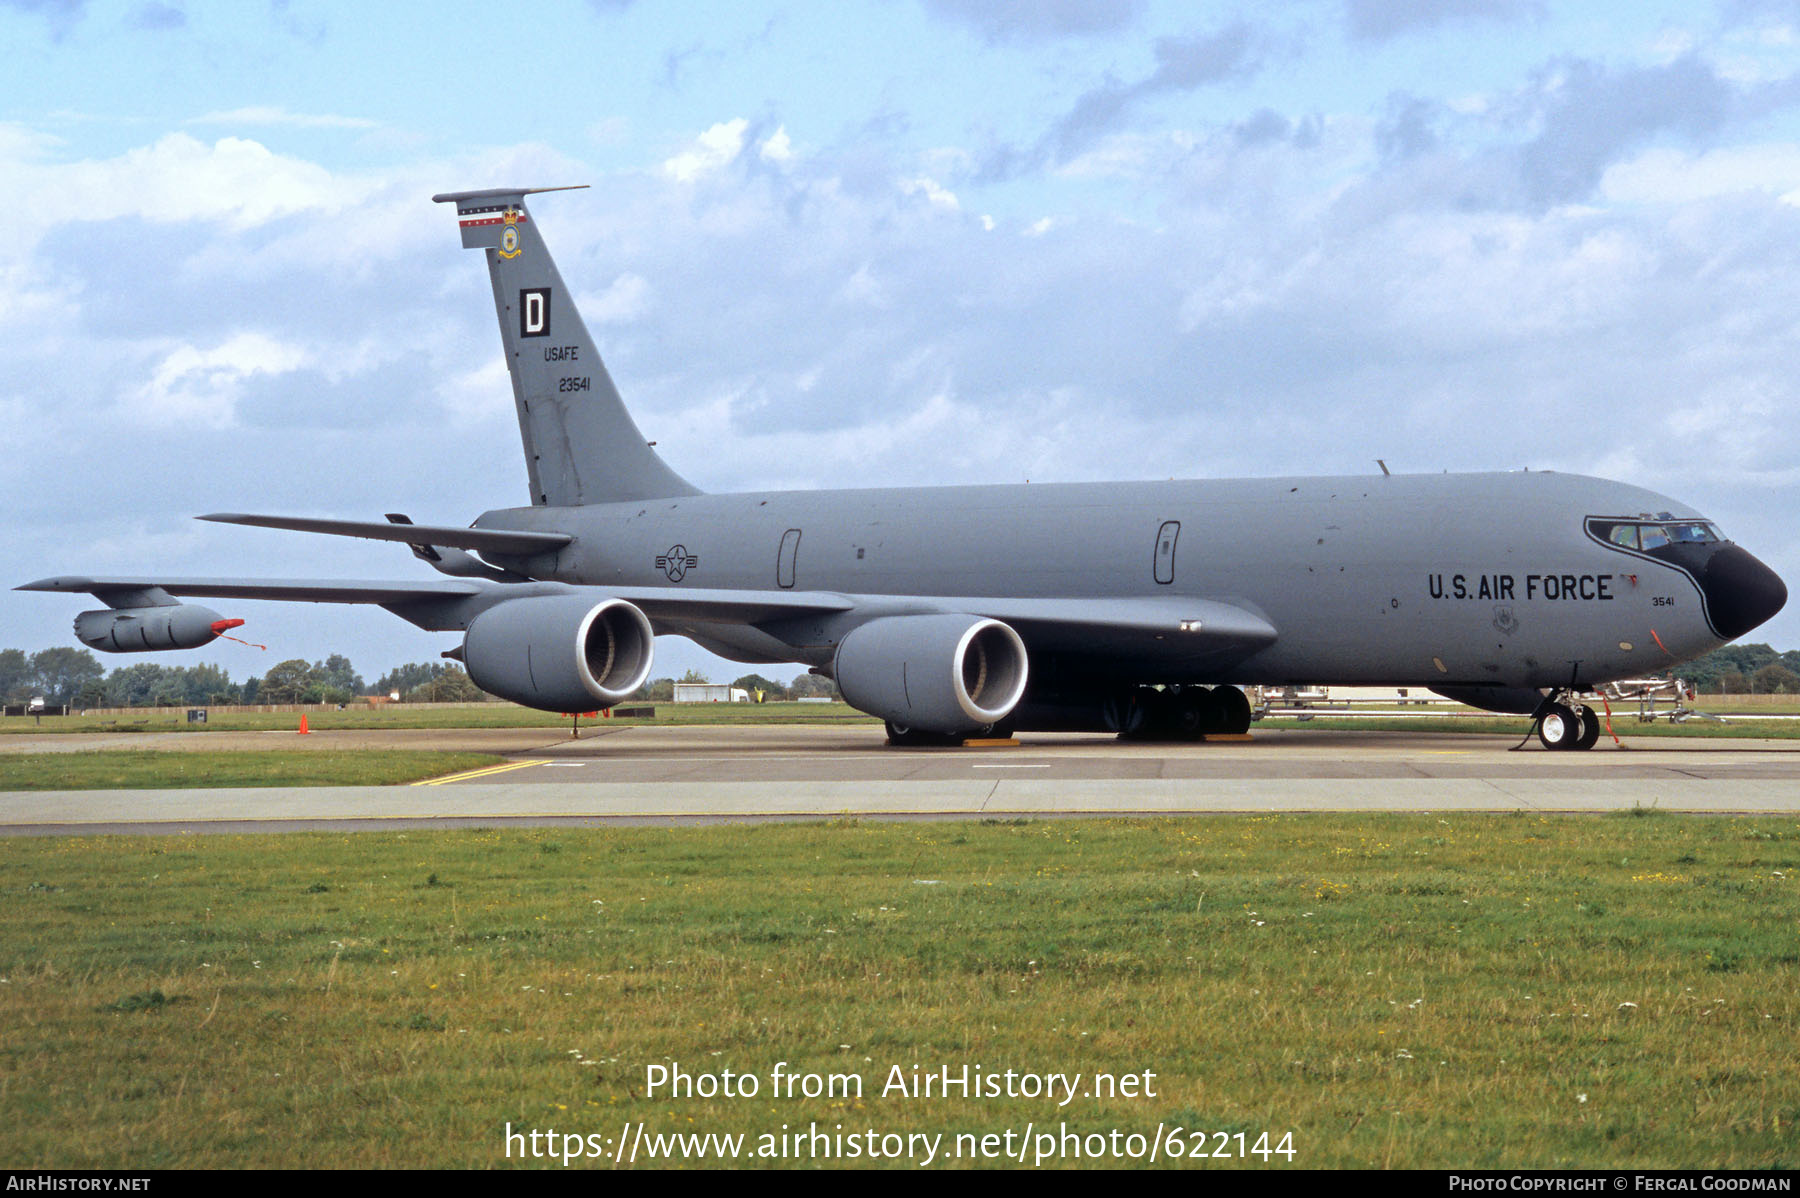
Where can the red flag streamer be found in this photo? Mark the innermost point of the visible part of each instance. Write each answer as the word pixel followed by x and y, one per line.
pixel 219 627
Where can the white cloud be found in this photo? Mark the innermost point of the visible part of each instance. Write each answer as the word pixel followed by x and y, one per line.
pixel 474 396
pixel 777 147
pixel 1670 176
pixel 192 388
pixel 175 179
pixel 1125 156
pixel 268 115
pixel 934 192
pixel 624 301
pixel 609 131
pixel 178 178
pixel 870 453
pixel 712 151
pixel 864 288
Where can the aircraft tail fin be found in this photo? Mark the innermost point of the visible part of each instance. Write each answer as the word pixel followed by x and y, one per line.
pixel 581 445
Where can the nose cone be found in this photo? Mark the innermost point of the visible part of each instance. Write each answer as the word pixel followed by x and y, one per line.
pixel 1741 592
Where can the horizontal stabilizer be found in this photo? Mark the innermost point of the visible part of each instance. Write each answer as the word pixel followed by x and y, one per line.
pixel 499 193
pixel 482 540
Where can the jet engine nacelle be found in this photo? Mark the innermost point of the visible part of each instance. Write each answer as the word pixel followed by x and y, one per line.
pixel 939 673
pixel 142 629
pixel 562 653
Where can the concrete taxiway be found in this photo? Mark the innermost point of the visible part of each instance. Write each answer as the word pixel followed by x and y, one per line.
pixel 712 773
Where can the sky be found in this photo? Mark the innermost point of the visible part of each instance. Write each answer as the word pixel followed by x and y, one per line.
pixel 874 243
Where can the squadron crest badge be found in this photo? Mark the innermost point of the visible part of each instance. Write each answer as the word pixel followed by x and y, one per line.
pixel 509 236
pixel 1505 623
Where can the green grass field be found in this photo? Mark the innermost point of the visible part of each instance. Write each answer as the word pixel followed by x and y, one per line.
pixel 1424 991
pixel 133 769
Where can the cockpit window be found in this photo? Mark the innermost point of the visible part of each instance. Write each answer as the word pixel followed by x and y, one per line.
pixel 1700 534
pixel 1646 535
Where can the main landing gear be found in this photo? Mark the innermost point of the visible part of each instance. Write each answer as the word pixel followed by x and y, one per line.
pixel 1565 724
pixel 1183 713
pixel 906 736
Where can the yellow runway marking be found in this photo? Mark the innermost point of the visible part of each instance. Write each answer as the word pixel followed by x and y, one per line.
pixel 467 774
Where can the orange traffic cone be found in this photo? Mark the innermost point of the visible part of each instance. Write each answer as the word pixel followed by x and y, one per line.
pixel 303 728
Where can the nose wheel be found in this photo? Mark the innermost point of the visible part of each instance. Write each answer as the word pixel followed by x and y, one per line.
pixel 1566 725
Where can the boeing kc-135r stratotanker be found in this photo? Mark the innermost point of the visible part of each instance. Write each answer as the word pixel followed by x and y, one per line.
pixel 1133 607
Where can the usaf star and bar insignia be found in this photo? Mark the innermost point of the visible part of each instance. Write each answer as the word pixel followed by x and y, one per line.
pixel 676 563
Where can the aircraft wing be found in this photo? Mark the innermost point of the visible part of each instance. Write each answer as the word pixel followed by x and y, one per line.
pixel 1195 628
pixel 1188 626
pixel 1078 622
pixel 1161 626
pixel 451 602
pixel 1206 620
pixel 721 606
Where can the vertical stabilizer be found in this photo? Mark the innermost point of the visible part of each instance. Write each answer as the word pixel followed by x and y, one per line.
pixel 581 445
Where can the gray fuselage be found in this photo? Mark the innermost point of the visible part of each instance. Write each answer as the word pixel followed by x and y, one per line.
pixel 1434 580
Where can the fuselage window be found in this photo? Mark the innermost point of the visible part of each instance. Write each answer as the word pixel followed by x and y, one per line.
pixel 1624 535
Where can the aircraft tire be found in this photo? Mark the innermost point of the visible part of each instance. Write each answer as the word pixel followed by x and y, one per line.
pixel 1157 715
pixel 1560 728
pixel 1234 708
pixel 1194 713
pixel 1121 713
pixel 905 736
pixel 1590 728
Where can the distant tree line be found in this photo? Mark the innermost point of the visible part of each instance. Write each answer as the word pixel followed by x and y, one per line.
pixel 1744 670
pixel 76 677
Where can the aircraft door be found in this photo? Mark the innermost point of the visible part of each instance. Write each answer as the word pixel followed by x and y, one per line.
pixel 784 561
pixel 1165 551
